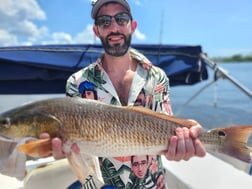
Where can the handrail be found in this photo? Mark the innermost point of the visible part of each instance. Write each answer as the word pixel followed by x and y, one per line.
pixel 224 74
pixel 219 73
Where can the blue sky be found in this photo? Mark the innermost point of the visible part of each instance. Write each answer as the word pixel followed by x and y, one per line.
pixel 221 27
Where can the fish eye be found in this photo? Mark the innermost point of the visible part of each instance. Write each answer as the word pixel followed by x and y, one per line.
pixel 221 133
pixel 6 122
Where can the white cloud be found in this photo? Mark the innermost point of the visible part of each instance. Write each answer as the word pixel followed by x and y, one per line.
pixel 138 36
pixel 18 26
pixel 86 36
pixel 7 39
pixel 16 21
pixel 139 2
pixel 59 38
pixel 22 9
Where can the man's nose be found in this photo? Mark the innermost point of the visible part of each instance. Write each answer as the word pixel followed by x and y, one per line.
pixel 114 26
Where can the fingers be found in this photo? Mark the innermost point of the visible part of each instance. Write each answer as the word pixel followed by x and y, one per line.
pixel 200 148
pixel 57 152
pixel 189 145
pixel 44 136
pixel 185 144
pixel 57 144
pixel 75 148
pixel 57 148
pixel 195 131
pixel 171 152
pixel 180 146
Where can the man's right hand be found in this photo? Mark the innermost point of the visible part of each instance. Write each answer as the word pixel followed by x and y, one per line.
pixel 57 145
pixel 57 152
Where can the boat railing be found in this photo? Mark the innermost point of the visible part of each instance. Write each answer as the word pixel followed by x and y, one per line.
pixel 219 72
pixel 222 73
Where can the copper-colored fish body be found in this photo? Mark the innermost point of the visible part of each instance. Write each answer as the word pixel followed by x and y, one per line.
pixel 106 130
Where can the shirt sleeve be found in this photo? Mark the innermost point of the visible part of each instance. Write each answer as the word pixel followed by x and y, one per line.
pixel 72 87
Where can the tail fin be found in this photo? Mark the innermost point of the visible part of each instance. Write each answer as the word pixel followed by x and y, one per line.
pixel 236 142
pixel 37 148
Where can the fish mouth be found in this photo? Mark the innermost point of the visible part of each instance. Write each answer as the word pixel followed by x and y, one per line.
pixel 6 139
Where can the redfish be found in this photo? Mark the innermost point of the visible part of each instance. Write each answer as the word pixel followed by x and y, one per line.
pixel 106 130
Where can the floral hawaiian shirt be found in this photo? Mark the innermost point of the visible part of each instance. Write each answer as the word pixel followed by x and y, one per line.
pixel 149 88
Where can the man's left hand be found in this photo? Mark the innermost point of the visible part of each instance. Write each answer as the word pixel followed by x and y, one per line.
pixel 185 144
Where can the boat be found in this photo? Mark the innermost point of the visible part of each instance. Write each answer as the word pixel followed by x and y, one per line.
pixel 44 69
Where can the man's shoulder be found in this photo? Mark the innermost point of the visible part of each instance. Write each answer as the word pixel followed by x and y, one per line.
pixel 85 72
pixel 145 62
pixel 90 67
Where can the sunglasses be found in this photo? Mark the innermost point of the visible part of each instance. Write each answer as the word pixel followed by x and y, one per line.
pixel 121 19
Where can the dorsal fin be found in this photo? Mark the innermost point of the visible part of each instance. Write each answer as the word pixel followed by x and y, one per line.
pixel 183 122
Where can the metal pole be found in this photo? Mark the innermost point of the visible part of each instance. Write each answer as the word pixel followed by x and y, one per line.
pixel 224 74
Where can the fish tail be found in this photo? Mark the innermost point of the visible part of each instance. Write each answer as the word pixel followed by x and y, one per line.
pixel 37 148
pixel 236 142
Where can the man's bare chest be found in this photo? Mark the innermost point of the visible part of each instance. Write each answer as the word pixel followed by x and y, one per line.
pixel 122 85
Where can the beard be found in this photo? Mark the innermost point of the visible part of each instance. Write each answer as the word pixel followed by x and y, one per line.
pixel 117 49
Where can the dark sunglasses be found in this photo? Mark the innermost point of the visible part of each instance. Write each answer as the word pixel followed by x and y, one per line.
pixel 121 19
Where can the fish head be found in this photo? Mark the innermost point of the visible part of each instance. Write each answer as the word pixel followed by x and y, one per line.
pixel 13 123
pixel 26 121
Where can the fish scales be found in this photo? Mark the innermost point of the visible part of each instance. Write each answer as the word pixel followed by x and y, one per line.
pixel 77 122
pixel 106 130
pixel 117 128
pixel 211 138
pixel 111 122
pixel 121 131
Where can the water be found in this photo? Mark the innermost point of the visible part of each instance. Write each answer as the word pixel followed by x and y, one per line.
pixel 219 105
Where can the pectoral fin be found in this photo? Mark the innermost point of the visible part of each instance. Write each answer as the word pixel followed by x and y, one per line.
pixel 85 168
pixel 37 148
pixel 12 161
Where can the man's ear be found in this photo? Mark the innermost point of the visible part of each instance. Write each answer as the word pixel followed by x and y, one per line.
pixel 133 26
pixel 96 31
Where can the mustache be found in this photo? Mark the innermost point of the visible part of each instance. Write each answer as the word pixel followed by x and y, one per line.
pixel 115 33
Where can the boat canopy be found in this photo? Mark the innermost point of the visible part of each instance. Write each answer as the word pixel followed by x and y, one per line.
pixel 44 69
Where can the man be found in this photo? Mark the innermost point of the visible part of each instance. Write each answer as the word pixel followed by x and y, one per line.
pixel 139 165
pixel 141 176
pixel 120 77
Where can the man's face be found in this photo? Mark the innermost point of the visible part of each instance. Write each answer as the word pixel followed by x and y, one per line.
pixel 89 94
pixel 116 49
pixel 141 100
pixel 139 166
pixel 115 38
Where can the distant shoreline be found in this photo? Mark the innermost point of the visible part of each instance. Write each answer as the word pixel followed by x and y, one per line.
pixel 235 58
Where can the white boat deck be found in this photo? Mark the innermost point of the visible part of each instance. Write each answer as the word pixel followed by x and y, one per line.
pixel 208 173
pixel 10 183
